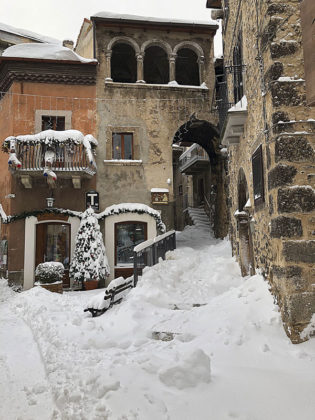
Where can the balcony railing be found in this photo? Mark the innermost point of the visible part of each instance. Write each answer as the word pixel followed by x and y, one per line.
pixel 68 158
pixel 194 159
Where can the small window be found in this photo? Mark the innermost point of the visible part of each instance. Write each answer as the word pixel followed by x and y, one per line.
pixel 258 176
pixel 122 146
pixel 180 189
pixel 50 122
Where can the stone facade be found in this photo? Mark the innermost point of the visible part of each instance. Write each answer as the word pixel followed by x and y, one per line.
pixel 272 156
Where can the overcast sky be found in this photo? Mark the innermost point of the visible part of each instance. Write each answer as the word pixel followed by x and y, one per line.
pixel 62 19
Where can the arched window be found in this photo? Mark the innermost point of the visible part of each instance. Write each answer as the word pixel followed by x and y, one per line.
pixel 187 68
pixel 123 64
pixel 156 65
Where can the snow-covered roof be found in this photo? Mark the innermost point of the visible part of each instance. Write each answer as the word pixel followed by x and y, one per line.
pixel 150 19
pixel 44 51
pixel 27 34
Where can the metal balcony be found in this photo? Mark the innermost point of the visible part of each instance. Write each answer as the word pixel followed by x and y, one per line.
pixel 70 162
pixel 194 160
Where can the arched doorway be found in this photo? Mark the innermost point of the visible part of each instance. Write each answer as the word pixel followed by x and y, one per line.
pixel 246 255
pixel 204 162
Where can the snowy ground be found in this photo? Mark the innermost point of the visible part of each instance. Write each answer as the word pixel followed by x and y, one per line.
pixel 194 341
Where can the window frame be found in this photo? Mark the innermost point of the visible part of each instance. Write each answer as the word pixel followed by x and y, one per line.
pixel 258 176
pixel 55 119
pixel 122 143
pixel 39 113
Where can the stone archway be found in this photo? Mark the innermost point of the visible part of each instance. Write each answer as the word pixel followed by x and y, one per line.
pixel 205 134
pixel 246 255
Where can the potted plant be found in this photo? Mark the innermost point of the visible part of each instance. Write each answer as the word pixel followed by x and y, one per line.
pixel 89 264
pixel 49 275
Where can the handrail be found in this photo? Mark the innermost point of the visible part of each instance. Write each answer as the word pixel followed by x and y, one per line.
pixel 149 252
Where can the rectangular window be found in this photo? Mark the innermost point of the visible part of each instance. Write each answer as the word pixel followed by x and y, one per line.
pixel 258 176
pixel 122 146
pixel 51 122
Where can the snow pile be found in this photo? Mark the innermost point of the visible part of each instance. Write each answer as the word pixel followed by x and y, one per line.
pixel 194 340
pixel 133 208
pixel 188 373
pixel 44 51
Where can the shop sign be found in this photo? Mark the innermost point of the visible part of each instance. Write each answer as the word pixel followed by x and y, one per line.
pixel 92 200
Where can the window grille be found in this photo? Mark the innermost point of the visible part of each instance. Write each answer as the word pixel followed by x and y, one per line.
pixel 258 176
pixel 50 122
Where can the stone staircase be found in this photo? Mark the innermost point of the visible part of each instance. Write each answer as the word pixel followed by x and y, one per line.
pixel 199 218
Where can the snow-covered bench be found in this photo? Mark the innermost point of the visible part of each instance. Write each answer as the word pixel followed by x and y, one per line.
pixel 114 293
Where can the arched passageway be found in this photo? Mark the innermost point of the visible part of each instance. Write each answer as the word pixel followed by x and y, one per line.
pixel 208 181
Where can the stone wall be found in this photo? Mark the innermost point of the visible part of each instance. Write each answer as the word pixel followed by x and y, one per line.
pixel 282 226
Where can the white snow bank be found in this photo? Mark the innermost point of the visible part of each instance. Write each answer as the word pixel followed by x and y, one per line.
pixel 48 136
pixel 188 373
pixel 44 51
pixel 113 367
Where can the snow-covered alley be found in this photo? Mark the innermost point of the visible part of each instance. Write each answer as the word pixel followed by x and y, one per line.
pixel 194 340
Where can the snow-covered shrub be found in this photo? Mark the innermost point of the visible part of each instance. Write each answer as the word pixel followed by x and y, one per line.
pixel 49 272
pixel 89 260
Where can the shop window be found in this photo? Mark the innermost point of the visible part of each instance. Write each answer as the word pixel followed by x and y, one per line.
pixel 127 236
pixel 258 176
pixel 51 122
pixel 122 146
pixel 156 65
pixel 187 68
pixel 123 64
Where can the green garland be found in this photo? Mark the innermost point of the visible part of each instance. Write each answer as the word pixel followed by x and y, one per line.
pixel 36 213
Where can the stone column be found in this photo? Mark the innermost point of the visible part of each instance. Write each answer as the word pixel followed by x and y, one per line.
pixel 140 68
pixel 108 71
pixel 201 63
pixel 172 62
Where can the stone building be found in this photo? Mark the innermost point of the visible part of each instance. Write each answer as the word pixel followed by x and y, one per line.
pixel 265 99
pixel 153 75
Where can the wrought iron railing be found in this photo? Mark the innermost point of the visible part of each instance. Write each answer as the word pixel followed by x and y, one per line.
pixel 149 252
pixel 67 158
pixel 193 154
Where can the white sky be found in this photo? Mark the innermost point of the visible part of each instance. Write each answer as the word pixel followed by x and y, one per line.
pixel 62 19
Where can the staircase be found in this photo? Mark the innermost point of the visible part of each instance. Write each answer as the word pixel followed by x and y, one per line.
pixel 199 218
